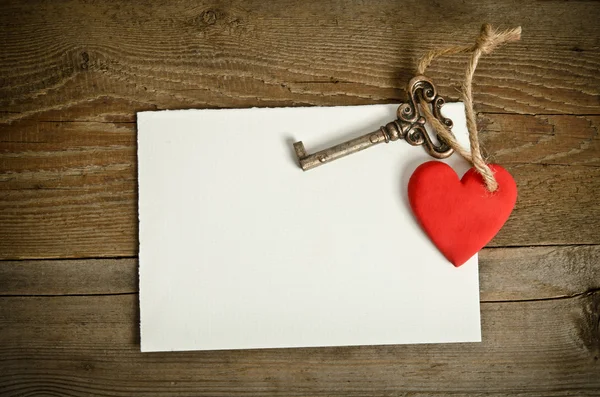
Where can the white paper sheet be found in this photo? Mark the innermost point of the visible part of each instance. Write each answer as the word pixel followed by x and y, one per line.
pixel 239 248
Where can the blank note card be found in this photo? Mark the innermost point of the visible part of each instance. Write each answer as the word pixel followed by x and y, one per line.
pixel 239 248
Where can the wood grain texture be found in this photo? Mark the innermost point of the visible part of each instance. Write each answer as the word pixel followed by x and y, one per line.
pixel 69 277
pixel 510 274
pixel 73 74
pixel 69 189
pixel 506 274
pixel 80 346
pixel 553 140
pixel 97 60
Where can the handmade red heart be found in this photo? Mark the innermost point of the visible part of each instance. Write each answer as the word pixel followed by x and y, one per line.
pixel 460 216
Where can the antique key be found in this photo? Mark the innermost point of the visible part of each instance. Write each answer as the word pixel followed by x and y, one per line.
pixel 409 125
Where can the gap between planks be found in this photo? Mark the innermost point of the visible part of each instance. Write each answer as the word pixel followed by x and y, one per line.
pixel 574 296
pixel 118 257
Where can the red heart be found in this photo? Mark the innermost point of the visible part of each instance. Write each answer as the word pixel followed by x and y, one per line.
pixel 460 216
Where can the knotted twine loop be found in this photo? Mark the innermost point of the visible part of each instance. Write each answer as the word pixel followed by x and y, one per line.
pixel 489 39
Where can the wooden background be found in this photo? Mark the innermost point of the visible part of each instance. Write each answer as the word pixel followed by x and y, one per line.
pixel 72 76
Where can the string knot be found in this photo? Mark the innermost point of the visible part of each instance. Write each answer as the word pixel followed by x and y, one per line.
pixel 489 38
pixel 485 41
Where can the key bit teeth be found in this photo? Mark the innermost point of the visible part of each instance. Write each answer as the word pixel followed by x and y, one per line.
pixel 300 150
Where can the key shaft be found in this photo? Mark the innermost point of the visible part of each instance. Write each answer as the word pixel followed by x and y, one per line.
pixel 341 150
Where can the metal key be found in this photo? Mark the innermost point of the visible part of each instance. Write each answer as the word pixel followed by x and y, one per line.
pixel 409 125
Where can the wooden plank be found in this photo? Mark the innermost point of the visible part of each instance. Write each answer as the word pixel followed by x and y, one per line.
pixel 506 274
pixel 556 206
pixel 73 60
pixel 69 188
pixel 89 346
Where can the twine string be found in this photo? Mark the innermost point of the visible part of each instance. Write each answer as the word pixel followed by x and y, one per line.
pixel 489 39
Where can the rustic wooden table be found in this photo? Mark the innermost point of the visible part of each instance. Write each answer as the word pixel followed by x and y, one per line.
pixel 72 76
